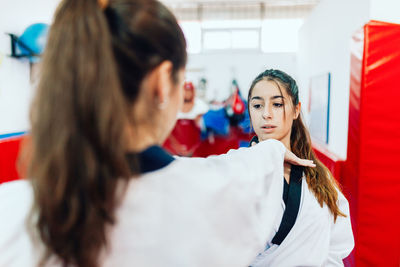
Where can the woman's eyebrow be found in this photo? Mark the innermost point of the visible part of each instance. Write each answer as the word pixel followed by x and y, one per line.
pixel 276 96
pixel 257 98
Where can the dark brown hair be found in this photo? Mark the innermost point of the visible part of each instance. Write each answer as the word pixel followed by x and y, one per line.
pixel 93 67
pixel 319 179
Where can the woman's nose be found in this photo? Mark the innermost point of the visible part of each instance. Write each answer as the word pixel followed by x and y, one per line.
pixel 267 114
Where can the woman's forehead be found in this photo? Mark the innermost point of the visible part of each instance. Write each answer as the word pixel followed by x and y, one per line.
pixel 267 89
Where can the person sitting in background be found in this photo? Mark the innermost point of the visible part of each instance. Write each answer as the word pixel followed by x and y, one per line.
pixel 185 138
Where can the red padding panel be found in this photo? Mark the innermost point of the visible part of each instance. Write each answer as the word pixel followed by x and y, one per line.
pixel 370 174
pixel 9 151
pixel 330 160
pixel 184 138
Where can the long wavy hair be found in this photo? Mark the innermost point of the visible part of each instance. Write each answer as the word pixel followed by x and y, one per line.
pixel 319 179
pixel 92 70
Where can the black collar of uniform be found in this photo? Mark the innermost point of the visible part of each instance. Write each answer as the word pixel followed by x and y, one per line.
pixel 254 139
pixel 293 191
pixel 291 197
pixel 151 159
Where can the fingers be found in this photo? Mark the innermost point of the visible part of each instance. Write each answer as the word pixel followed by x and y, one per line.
pixel 253 143
pixel 302 162
pixel 307 163
pixel 293 159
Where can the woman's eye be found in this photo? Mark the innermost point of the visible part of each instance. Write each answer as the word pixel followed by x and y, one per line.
pixel 257 106
pixel 278 105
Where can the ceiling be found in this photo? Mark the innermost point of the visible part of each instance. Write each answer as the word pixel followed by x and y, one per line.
pixel 240 9
pixel 269 2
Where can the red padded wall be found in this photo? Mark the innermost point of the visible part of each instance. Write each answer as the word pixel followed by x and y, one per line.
pixel 370 177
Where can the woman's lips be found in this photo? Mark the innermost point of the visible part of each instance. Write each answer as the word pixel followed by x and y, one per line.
pixel 268 128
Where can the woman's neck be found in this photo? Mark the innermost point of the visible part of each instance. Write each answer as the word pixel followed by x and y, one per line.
pixel 286 142
pixel 286 171
pixel 140 138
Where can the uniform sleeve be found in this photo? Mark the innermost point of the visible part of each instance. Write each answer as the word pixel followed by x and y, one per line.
pixel 342 240
pixel 224 206
pixel 256 185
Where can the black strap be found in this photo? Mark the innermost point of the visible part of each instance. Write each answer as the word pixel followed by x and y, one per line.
pixel 292 205
pixel 285 191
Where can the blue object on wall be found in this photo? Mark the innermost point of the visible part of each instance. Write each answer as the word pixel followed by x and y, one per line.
pixel 31 43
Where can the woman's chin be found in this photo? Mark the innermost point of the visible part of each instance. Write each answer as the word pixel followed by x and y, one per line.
pixel 263 137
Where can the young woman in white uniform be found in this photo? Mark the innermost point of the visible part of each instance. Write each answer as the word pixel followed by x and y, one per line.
pixel 313 227
pixel 102 192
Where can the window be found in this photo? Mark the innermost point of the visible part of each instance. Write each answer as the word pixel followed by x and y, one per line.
pixel 216 39
pixel 269 36
pixel 192 31
pixel 280 35
pixel 245 39
pixel 231 39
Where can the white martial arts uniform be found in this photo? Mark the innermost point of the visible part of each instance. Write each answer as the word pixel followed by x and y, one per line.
pixel 192 212
pixel 314 240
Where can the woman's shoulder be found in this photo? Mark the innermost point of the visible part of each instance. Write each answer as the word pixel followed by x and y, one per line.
pixel 17 193
pixel 22 184
pixel 16 200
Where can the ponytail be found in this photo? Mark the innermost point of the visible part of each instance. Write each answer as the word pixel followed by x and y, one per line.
pixel 319 179
pixel 78 119
pixel 93 67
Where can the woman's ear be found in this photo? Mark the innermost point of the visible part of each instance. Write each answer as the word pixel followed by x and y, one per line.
pixel 297 110
pixel 163 83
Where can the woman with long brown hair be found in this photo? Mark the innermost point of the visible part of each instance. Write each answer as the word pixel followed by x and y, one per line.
pixel 313 228
pixel 101 190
